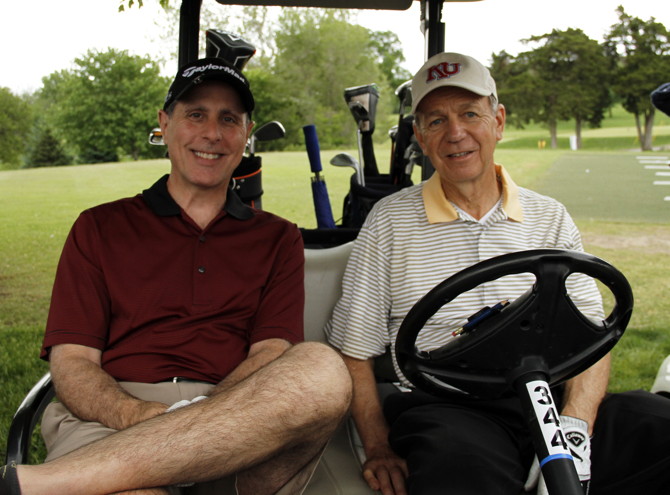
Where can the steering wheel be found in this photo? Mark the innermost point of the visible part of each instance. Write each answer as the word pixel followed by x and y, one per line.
pixel 541 331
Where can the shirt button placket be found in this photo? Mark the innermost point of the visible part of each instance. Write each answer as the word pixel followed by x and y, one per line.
pixel 482 255
pixel 200 282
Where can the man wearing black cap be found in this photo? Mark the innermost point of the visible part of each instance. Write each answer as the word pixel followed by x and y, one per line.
pixel 175 327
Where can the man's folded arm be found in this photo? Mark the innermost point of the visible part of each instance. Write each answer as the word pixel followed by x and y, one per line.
pixel 92 394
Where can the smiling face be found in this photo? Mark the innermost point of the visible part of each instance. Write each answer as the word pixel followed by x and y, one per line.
pixel 205 134
pixel 458 130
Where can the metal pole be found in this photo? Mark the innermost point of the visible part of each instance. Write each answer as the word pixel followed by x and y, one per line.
pixel 432 26
pixel 551 447
pixel 189 29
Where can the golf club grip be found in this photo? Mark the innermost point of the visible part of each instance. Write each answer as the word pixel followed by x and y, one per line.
pixel 312 145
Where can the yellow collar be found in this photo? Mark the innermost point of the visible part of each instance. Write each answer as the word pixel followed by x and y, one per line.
pixel 439 209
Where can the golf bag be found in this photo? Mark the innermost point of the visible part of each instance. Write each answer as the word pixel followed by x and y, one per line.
pixel 360 199
pixel 405 153
pixel 247 181
pixel 403 150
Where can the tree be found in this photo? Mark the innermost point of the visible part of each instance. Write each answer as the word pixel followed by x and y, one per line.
pixel 15 121
pixel 573 69
pixel 318 56
pixel 386 47
pixel 253 23
pixel 130 3
pixel 563 78
pixel 306 58
pixel 640 55
pixel 47 151
pixel 517 86
pixel 106 106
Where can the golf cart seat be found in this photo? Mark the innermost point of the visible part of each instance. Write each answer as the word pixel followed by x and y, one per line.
pixel 339 472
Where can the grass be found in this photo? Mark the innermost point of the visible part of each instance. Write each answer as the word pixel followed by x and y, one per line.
pixel 591 184
pixel 591 143
pixel 617 132
pixel 640 251
pixel 621 215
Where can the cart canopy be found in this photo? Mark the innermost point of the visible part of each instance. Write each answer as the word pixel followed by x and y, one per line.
pixel 335 4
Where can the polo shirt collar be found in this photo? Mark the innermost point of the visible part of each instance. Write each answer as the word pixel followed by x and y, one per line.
pixel 161 203
pixel 439 209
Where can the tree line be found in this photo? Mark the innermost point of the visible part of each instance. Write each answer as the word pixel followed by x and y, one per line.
pixel 103 108
pixel 568 76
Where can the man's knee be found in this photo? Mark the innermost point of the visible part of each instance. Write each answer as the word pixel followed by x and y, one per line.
pixel 63 432
pixel 323 373
pixel 636 408
pixel 464 445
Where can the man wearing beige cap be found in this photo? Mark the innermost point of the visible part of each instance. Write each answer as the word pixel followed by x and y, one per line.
pixel 468 211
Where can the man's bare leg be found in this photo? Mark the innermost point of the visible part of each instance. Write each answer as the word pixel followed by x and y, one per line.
pixel 294 466
pixel 296 400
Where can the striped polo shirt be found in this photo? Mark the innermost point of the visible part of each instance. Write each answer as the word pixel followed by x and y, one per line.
pixel 416 238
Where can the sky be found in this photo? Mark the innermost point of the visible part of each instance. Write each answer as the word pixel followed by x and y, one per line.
pixel 38 37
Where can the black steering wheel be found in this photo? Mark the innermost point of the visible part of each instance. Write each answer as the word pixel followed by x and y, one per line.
pixel 541 331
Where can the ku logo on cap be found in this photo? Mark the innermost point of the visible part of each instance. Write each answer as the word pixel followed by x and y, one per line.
pixel 440 71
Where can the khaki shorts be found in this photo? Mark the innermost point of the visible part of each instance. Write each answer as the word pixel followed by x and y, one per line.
pixel 63 432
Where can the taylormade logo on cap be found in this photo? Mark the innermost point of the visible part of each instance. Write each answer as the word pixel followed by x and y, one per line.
pixel 451 69
pixel 209 69
pixel 196 70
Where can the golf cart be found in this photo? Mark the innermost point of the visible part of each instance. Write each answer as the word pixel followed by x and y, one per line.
pixel 521 370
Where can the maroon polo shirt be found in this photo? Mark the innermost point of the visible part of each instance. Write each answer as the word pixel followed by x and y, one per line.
pixel 160 297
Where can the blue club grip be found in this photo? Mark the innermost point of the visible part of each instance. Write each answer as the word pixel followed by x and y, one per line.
pixel 313 150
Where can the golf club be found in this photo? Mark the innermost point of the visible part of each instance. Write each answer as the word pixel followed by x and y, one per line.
pixel 322 209
pixel 346 160
pixel 229 47
pixel 362 103
pixel 156 137
pixel 267 132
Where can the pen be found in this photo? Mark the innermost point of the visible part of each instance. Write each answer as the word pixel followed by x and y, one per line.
pixel 481 315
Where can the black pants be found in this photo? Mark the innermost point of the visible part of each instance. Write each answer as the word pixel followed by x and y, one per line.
pixel 466 446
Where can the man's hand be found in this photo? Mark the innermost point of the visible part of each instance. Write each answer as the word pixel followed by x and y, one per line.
pixel 140 411
pixel 386 472
pixel 93 395
pixel 579 443
pixel 383 470
pixel 184 403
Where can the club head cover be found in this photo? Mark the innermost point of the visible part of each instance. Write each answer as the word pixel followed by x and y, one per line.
pixel 660 97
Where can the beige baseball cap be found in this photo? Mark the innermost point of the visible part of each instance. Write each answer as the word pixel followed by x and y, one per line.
pixel 451 69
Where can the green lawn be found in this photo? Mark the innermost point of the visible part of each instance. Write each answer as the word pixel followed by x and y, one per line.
pixel 614 186
pixel 617 132
pixel 619 212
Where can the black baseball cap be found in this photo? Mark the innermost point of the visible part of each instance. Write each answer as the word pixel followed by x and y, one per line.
pixel 207 69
